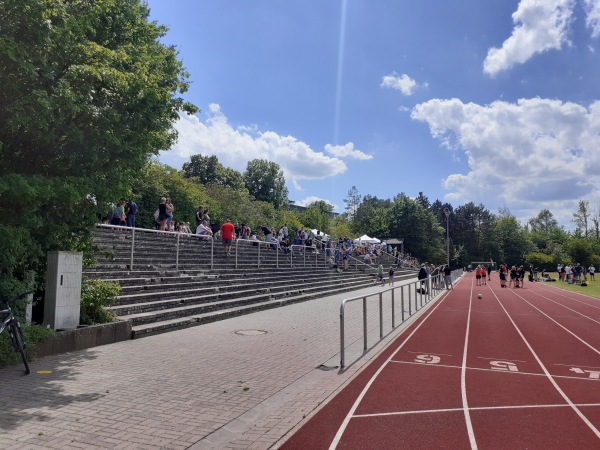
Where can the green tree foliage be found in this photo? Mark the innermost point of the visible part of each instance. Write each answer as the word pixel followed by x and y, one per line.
pixel 470 225
pixel 157 180
pixel 88 94
pixel 317 216
pixel 423 235
pixel 208 170
pixel 540 261
pixel 513 239
pixel 238 205
pixel 265 181
pixel 372 217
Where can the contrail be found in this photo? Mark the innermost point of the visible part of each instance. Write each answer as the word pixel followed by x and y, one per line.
pixel 340 69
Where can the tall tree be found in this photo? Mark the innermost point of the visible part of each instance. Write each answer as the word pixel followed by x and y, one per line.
pixel 88 94
pixel 208 169
pixel 423 200
pixel 582 216
pixel 265 181
pixel 352 202
pixel 544 222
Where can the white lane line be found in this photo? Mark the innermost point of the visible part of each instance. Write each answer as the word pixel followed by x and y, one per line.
pixel 507 372
pixel 503 359
pixel 566 307
pixel 560 325
pixel 344 425
pixel 463 379
pixel 476 408
pixel 558 290
pixel 550 378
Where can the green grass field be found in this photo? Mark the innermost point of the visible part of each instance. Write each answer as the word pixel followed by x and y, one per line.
pixel 592 289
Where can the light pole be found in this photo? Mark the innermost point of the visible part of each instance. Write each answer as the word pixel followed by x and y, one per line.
pixel 447 212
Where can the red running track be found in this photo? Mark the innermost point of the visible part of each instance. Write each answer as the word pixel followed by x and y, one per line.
pixel 519 368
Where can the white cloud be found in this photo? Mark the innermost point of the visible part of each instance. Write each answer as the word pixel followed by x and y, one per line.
pixel 346 151
pixel 403 83
pixel 540 25
pixel 236 146
pixel 530 155
pixel 592 20
pixel 312 199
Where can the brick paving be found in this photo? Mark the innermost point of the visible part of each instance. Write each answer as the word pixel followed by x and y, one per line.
pixel 199 388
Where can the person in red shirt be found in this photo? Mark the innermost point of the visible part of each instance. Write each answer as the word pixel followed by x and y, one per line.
pixel 483 275
pixel 227 230
pixel 478 276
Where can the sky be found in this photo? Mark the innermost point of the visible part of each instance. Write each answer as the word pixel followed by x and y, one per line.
pixel 494 102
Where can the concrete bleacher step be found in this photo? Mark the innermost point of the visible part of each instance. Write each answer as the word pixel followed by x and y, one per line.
pixel 159 295
pixel 149 329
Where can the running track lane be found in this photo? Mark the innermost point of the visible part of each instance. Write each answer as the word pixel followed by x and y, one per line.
pixel 509 393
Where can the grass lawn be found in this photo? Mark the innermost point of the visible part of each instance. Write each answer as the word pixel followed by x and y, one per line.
pixel 592 289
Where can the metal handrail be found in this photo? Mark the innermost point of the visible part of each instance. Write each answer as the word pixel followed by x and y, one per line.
pixel 177 235
pixel 432 287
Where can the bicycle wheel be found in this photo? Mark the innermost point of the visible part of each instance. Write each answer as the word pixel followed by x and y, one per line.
pixel 19 342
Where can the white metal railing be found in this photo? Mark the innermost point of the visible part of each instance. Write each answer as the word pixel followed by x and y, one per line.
pixel 423 290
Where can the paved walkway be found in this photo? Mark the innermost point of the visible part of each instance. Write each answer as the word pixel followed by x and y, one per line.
pixel 245 382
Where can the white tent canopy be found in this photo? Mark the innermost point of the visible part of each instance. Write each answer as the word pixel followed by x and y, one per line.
pixel 364 239
pixel 321 234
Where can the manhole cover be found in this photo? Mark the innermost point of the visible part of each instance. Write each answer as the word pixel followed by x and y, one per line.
pixel 251 332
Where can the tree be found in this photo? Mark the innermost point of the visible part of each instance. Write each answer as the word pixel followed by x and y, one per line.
pixel 265 181
pixel 423 200
pixel 544 222
pixel 317 216
pixel 88 94
pixel 208 169
pixel 352 202
pixel 581 217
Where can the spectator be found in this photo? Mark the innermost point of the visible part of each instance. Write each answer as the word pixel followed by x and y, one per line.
pixel 391 276
pixel 591 271
pixel 204 230
pixel 162 214
pixel 199 215
pixel 130 212
pixel 448 277
pixel 170 210
pixel 227 233
pixel 118 214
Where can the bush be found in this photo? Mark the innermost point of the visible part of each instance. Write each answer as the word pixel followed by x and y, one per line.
pixel 33 335
pixel 96 296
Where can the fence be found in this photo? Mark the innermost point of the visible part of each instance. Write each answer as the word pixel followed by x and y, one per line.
pixel 423 293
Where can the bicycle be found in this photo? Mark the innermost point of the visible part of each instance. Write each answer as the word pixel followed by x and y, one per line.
pixel 10 322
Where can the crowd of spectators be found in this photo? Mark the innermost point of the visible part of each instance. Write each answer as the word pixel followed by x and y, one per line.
pixel 283 239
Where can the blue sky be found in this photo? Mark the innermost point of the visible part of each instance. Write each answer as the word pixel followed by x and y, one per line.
pixel 493 101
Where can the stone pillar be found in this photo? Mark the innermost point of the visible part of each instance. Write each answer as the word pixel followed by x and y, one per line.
pixel 63 290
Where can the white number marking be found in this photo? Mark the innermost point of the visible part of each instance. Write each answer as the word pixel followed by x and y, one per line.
pixel 504 365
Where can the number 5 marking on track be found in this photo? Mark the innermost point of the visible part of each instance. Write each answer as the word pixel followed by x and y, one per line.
pixel 594 374
pixel 504 365
pixel 427 359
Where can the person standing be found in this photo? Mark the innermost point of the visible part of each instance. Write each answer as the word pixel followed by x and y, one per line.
pixel 591 271
pixel 391 276
pixel 162 214
pixel 489 271
pixel 380 274
pixel 130 213
pixel 170 210
pixel 227 232
pixel 199 215
pixel 448 278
